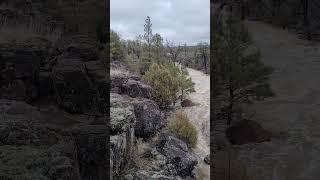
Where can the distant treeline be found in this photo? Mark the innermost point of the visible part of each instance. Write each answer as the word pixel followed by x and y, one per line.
pixel 149 47
pixel 302 16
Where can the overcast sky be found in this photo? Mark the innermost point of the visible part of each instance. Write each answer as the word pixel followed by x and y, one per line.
pixel 178 20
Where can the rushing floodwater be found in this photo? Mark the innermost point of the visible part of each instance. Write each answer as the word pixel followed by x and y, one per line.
pixel 200 117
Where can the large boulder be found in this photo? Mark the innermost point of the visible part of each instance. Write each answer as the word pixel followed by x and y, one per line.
pixel 71 86
pixel 149 118
pixel 247 131
pixel 177 153
pixel 79 77
pixel 19 69
pixel 119 79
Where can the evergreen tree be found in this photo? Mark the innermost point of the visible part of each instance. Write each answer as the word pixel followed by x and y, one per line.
pixel 116 47
pixel 148 34
pixel 158 46
pixel 239 73
pixel 185 82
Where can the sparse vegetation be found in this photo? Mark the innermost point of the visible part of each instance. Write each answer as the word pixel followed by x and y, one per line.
pixel 181 126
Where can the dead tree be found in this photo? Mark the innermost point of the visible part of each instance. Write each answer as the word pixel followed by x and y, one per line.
pixel 174 51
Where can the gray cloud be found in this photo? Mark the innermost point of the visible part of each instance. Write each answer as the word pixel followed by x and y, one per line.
pixel 178 20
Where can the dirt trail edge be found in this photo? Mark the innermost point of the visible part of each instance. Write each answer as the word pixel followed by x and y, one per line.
pixel 200 117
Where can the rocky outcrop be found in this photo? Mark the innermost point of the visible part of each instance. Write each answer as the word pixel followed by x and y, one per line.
pixel 247 131
pixel 177 153
pixel 19 68
pixel 78 78
pixel 91 143
pixel 31 148
pixel 122 122
pixel 129 84
pixel 137 89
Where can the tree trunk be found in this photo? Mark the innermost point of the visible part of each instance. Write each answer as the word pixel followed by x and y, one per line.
pixel 306 19
pixel 181 96
pixel 231 99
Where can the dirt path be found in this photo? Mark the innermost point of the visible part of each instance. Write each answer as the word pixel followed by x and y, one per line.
pixel 200 117
pixel 293 115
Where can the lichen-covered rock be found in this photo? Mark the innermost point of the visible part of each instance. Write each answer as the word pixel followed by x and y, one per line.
pixel 137 89
pixel 21 125
pixel 79 78
pixel 122 139
pixel 149 118
pixel 19 69
pixel 90 141
pixel 152 175
pixel 123 82
pixel 177 153
pixel 25 162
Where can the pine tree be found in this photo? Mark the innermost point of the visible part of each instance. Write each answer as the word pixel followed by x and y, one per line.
pixel 239 73
pixel 148 34
pixel 185 82
pixel 158 46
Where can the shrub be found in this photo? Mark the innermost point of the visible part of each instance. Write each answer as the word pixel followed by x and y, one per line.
pixel 181 126
pixel 116 47
pixel 164 84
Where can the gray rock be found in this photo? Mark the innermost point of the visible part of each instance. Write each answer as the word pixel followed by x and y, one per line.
pixel 152 175
pixel 79 78
pixel 122 137
pixel 149 118
pixel 207 159
pixel 121 119
pixel 19 70
pixel 25 162
pixel 91 141
pixel 137 89
pixel 177 153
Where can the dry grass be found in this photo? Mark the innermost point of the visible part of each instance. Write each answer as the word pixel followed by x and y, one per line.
pixel 181 126
pixel 140 154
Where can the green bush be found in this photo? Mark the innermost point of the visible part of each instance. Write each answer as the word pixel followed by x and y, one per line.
pixel 181 126
pixel 164 84
pixel 116 47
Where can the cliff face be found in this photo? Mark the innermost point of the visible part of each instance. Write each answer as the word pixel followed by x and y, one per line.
pixel 53 97
pixel 54 107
